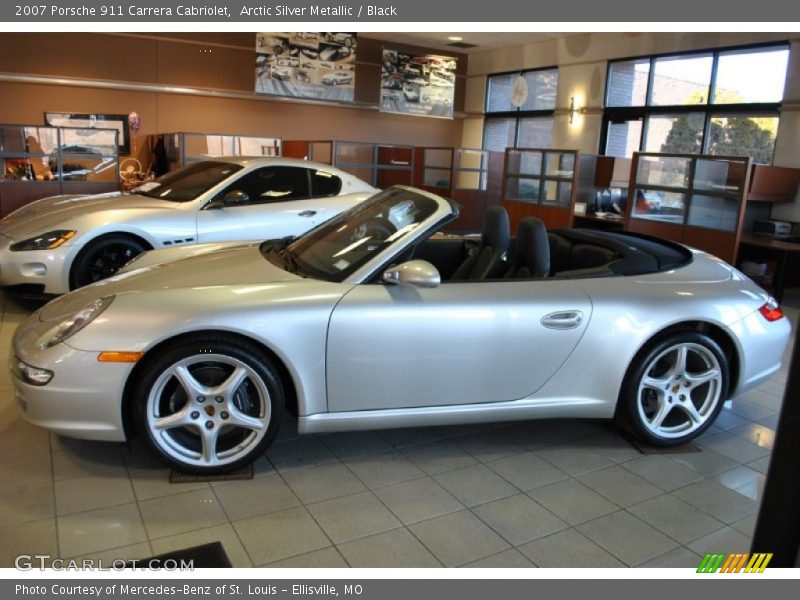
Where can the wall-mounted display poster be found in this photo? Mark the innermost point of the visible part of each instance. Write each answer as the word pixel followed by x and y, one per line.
pixel 422 85
pixel 317 66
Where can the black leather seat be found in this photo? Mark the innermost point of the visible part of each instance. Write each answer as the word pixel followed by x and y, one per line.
pixel 489 259
pixel 532 252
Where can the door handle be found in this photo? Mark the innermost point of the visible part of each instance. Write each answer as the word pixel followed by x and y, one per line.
pixel 307 213
pixel 567 319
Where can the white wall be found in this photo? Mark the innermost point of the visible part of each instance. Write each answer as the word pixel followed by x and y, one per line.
pixel 582 60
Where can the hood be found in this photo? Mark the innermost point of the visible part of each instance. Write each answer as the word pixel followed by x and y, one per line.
pixel 164 255
pixel 242 266
pixel 55 212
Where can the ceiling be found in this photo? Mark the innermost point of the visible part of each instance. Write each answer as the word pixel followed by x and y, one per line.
pixel 483 41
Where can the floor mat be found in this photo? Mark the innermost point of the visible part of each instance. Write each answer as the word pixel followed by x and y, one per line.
pixel 648 449
pixel 207 556
pixel 243 473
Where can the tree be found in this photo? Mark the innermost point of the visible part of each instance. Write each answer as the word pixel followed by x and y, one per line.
pixel 685 135
pixel 741 136
pixel 727 136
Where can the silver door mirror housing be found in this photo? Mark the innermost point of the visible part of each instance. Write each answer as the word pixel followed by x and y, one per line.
pixel 414 273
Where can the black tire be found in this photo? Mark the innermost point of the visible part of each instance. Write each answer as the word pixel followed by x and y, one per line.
pixel 103 257
pixel 639 401
pixel 159 391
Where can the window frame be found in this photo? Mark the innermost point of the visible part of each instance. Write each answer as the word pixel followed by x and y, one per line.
pixel 518 114
pixel 710 110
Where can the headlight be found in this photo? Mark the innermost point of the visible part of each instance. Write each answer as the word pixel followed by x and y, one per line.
pixel 29 373
pixel 78 321
pixel 46 241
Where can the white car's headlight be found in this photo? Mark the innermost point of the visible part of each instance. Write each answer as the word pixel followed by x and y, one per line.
pixel 29 373
pixel 77 321
pixel 46 241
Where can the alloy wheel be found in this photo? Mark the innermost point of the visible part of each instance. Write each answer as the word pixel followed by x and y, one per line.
pixel 680 390
pixel 208 410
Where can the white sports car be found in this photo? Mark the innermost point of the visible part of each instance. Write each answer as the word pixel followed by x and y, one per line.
pixel 61 243
pixel 374 320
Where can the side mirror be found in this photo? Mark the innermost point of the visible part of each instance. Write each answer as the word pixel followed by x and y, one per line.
pixel 414 273
pixel 235 198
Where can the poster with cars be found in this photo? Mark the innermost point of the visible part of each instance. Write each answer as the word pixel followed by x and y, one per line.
pixel 317 66
pixel 422 85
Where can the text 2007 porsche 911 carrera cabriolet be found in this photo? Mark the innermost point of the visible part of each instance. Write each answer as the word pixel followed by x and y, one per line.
pixel 373 320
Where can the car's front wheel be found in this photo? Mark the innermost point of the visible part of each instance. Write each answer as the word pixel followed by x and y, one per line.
pixel 209 403
pixel 103 257
pixel 674 390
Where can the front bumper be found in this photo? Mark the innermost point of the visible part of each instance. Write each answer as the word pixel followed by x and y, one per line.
pixel 47 270
pixel 83 399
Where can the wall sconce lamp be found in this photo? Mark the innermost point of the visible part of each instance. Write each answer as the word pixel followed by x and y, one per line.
pixel 574 109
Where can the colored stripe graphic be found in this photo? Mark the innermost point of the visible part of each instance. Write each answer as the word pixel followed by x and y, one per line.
pixel 734 562
pixel 710 563
pixel 758 562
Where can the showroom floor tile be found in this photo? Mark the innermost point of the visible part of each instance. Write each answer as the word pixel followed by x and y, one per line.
pixel 541 493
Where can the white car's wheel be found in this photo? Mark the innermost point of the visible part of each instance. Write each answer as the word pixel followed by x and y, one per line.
pixel 675 389
pixel 209 404
pixel 103 257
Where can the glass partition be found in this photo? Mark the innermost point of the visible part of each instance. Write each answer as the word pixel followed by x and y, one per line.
pixel 471 169
pixel 38 161
pixel 321 152
pixel 33 154
pixel 437 166
pixel 540 176
pixel 184 148
pixel 381 165
pixel 695 190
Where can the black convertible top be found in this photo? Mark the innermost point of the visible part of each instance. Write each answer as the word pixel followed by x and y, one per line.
pixel 614 253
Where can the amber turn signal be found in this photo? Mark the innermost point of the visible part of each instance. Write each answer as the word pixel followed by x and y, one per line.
pixel 120 357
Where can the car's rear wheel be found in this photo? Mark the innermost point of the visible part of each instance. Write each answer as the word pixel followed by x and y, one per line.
pixel 674 390
pixel 209 404
pixel 103 257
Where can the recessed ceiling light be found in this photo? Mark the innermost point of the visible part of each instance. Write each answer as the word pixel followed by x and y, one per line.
pixel 454 38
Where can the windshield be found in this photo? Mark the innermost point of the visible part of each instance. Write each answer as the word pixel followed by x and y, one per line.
pixel 187 183
pixel 345 243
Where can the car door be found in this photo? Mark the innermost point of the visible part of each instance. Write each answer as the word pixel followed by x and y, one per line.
pixel 279 204
pixel 458 343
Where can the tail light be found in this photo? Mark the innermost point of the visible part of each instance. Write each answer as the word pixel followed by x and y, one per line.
pixel 771 311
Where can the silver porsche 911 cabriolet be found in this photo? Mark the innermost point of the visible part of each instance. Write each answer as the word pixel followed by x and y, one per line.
pixel 61 243
pixel 375 320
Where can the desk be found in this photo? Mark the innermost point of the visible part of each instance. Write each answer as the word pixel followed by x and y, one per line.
pixel 754 247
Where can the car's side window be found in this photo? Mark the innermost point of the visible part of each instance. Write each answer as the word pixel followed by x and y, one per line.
pixel 324 184
pixel 273 184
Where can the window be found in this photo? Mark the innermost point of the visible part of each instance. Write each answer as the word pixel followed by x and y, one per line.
pixel 188 183
pixel 499 134
pixel 681 80
pixel 339 247
pixel 723 102
pixel 519 109
pixel 324 184
pixel 272 184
